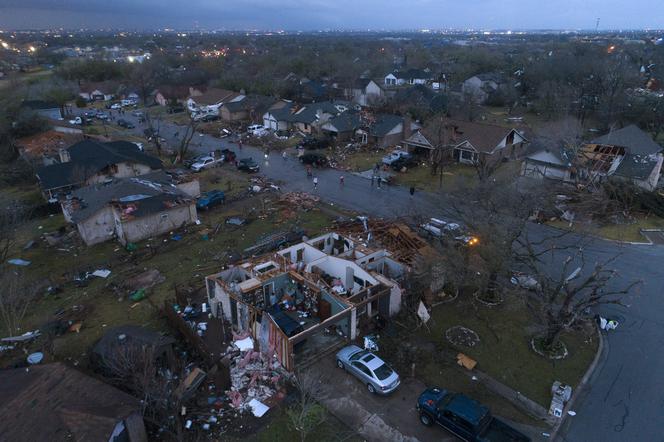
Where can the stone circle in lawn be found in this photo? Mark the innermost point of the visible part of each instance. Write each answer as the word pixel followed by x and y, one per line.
pixel 462 336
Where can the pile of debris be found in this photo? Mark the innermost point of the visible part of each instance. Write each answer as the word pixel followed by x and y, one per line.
pixel 262 184
pixel 301 200
pixel 255 377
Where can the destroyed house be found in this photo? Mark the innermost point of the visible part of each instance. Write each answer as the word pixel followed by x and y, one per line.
pixel 129 209
pixel 308 298
pixel 89 162
pixel 54 402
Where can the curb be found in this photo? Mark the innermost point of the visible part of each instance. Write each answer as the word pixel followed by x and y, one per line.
pixel 615 241
pixel 582 384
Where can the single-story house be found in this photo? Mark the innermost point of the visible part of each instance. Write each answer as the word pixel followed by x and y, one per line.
pixel 99 91
pixel 278 117
pixel 468 141
pixel 311 117
pixel 388 130
pixel 89 162
pixel 251 107
pixel 46 109
pixel 54 402
pixel 168 95
pixel 129 209
pixel 408 76
pixel 342 127
pixel 305 299
pixel 211 100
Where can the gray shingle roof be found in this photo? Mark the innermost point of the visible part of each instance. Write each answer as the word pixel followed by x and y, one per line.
pixel 633 139
pixel 638 167
pixel 345 122
pixel 384 124
pixel 150 193
pixel 89 157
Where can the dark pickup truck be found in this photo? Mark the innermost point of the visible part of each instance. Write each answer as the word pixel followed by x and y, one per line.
pixel 464 417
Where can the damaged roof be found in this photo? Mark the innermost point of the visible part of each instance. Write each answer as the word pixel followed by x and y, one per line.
pixel 46 143
pixel 636 141
pixel 638 167
pixel 147 194
pixel 54 402
pixel 483 137
pixel 345 122
pixel 308 114
pixel 384 124
pixel 89 157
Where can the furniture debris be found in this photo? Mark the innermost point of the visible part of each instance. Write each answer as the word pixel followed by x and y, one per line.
pixel 465 361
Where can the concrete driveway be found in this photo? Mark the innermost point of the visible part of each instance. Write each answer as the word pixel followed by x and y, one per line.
pixel 375 418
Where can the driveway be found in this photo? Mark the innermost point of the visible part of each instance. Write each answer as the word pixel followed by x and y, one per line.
pixel 625 398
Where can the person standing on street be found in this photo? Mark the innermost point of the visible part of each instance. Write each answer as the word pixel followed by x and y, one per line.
pixel 239 143
pixel 284 156
pixel 372 180
pixel 341 181
pixel 412 190
pixel 315 182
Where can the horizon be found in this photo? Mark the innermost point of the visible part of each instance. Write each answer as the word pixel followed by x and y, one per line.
pixel 344 15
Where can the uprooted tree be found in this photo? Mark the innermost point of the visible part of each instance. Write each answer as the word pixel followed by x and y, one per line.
pixel 567 286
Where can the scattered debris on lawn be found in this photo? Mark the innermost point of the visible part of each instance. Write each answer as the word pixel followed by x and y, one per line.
pixel 459 335
pixel 466 362
pixel 301 200
pixel 19 262
pixel 145 280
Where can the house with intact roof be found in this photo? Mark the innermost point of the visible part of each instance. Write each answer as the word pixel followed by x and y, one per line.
pixel 55 402
pixel 89 162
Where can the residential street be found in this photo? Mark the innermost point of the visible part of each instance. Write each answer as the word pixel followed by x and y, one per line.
pixel 624 400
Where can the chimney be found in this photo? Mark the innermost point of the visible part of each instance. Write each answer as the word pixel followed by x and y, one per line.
pixel 64 156
pixel 406 127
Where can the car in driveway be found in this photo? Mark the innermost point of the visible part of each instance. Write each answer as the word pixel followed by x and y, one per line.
pixel 464 417
pixel 248 165
pixel 206 162
pixel 378 377
pixel 126 124
pixel 102 116
pixel 210 199
pixel 394 156
pixel 115 106
pixel 314 159
pixel 408 162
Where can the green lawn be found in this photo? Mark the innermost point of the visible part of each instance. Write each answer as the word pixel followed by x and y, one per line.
pixel 618 232
pixel 504 352
pixel 455 177
pixel 186 261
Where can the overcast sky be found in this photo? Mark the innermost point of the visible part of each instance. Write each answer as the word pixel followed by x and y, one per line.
pixel 332 14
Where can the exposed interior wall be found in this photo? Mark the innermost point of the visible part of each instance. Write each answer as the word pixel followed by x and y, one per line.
pixel 98 228
pixel 337 307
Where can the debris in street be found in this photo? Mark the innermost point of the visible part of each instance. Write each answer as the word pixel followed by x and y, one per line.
pixel 370 343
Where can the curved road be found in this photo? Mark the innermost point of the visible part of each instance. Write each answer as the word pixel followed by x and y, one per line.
pixel 624 400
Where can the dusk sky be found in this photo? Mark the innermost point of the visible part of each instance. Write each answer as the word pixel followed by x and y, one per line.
pixel 326 14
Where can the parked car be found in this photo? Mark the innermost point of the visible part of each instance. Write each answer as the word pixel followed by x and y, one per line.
pixel 254 127
pixel 394 156
pixel 223 133
pixel 314 159
pixel 445 229
pixel 464 417
pixel 127 102
pixel 138 113
pixel 210 199
pixel 102 116
pixel 407 162
pixel 209 117
pixel 314 143
pixel 116 106
pixel 206 162
pixel 126 124
pixel 368 368
pixel 90 114
pixel 248 165
pixel 76 121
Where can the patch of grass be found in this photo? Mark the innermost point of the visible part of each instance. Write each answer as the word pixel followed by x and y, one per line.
pixel 618 232
pixel 504 348
pixel 455 177
pixel 363 160
pixel 280 429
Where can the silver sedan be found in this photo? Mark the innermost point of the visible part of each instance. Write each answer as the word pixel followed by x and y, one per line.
pixel 369 368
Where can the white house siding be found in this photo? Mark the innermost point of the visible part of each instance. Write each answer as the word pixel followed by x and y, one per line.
pixel 539 170
pixel 98 228
pixel 124 170
pixel 137 229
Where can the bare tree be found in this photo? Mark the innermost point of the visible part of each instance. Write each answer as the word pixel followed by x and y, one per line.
pixel 441 154
pixel 307 414
pixel 16 296
pixel 12 215
pixel 563 295
pixel 186 138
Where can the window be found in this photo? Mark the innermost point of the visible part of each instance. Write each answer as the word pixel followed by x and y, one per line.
pixel 359 281
pixel 466 155
pixel 358 355
pixel 362 368
pixel 383 372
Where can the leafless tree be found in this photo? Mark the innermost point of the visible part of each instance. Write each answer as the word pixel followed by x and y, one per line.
pixel 307 414
pixel 186 138
pixel 133 366
pixel 154 132
pixel 566 293
pixel 12 215
pixel 16 297
pixel 441 154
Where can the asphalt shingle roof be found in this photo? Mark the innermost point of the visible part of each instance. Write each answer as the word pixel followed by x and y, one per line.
pixel 384 124
pixel 637 167
pixel 633 139
pixel 89 157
